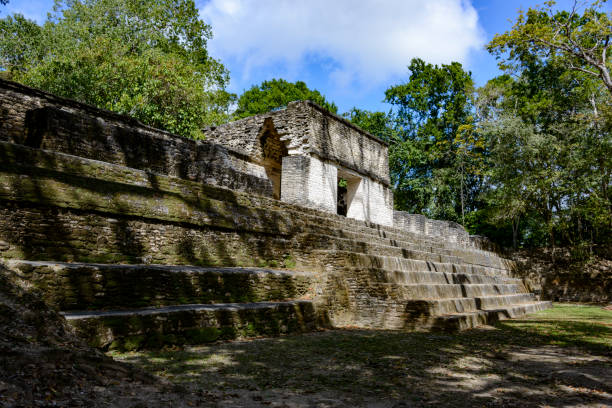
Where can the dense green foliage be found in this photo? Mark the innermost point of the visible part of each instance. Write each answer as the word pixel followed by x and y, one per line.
pixel 430 110
pixel 579 42
pixel 147 59
pixel 277 93
pixel 377 123
pixel 527 159
pixel 432 148
pixel 548 128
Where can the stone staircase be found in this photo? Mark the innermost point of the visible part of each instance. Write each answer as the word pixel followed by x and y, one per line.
pixel 130 306
pixel 137 258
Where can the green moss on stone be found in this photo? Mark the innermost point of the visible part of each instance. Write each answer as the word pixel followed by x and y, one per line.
pixel 155 341
pixel 202 335
pixel 132 343
pixel 228 332
pixel 289 262
pixel 117 344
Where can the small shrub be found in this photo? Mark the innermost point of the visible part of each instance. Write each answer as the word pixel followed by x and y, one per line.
pixel 289 262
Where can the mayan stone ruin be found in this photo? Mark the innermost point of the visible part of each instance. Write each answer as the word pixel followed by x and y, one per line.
pixel 277 223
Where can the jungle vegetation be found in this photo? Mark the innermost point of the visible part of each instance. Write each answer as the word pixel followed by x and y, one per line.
pixel 526 159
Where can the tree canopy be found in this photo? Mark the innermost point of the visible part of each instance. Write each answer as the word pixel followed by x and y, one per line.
pixel 277 93
pixel 547 124
pixel 580 41
pixel 147 59
pixel 430 110
pixel 527 158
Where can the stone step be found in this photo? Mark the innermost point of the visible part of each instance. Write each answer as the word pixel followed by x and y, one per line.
pixel 410 242
pixel 72 286
pixel 191 324
pixel 368 233
pixel 416 308
pixel 468 320
pixel 326 242
pixel 476 290
pixel 405 250
pixel 428 276
pixel 337 235
pixel 394 235
pixel 497 301
pixel 421 291
pixel 346 259
pixel 369 229
pixel 514 311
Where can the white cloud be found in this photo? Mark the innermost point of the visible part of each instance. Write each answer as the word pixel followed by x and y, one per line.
pixel 368 41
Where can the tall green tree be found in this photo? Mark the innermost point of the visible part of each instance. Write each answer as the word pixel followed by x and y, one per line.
pixel 579 39
pixel 547 125
pixel 379 124
pixel 147 59
pixel 277 93
pixel 432 110
pixel 549 153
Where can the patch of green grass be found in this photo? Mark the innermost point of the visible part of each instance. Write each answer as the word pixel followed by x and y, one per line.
pixel 568 325
pixel 289 262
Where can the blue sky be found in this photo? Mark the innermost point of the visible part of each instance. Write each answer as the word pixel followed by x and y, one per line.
pixel 350 50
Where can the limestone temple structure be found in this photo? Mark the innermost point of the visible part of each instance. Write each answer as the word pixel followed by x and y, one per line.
pixel 281 222
pixel 305 150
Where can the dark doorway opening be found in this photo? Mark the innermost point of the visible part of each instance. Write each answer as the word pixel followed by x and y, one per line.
pixel 273 152
pixel 342 206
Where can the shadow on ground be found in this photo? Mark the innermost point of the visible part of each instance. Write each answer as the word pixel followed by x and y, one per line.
pixel 520 363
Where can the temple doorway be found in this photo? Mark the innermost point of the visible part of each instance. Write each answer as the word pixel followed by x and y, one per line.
pixel 348 184
pixel 274 150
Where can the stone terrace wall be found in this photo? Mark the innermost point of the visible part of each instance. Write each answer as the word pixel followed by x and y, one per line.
pixel 448 230
pixel 37 119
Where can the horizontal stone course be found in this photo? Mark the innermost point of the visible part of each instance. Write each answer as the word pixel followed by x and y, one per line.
pixel 73 286
pixel 192 324
pixel 41 120
pixel 128 192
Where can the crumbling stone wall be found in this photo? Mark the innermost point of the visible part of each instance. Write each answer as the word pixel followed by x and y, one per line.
pixel 560 278
pixel 36 119
pixel 325 144
pixel 308 129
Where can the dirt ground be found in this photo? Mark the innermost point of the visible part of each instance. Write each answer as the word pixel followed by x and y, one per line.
pixel 561 357
pixel 545 360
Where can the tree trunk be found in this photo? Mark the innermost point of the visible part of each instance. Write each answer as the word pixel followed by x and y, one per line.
pixel 515 228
